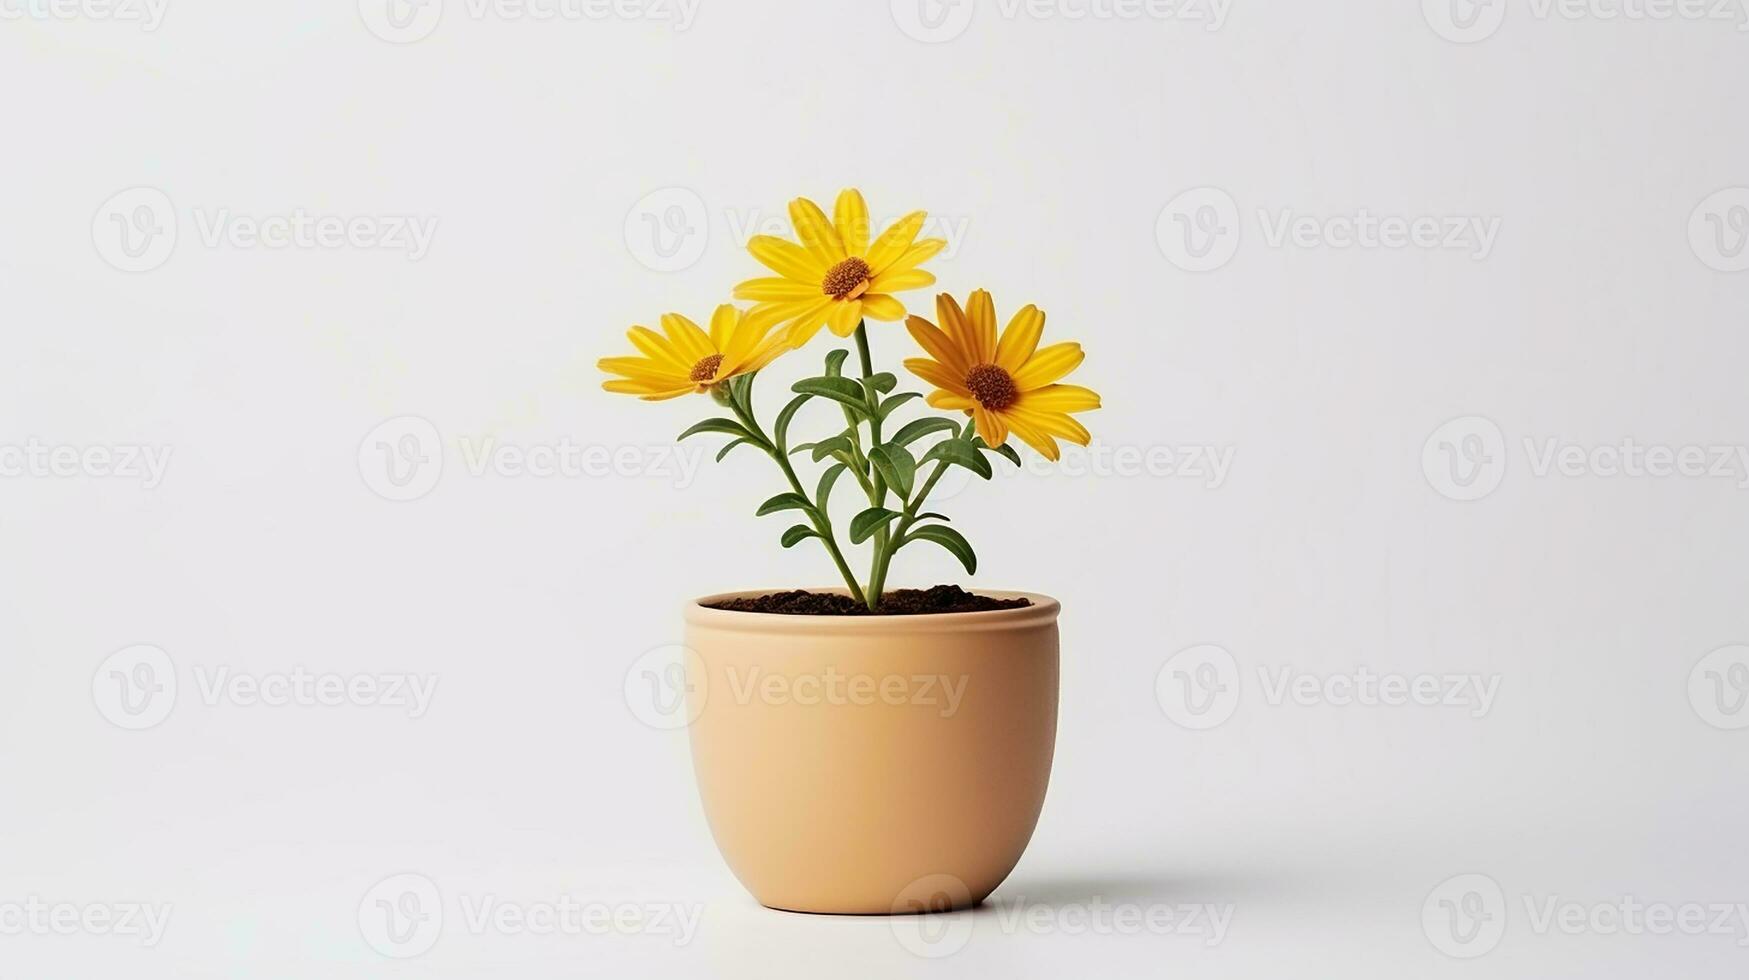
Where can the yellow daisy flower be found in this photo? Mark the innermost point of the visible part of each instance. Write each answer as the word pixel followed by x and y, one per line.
pixel 1006 385
pixel 836 276
pixel 689 360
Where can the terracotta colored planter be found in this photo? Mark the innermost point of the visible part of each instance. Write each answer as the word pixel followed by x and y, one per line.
pixel 872 764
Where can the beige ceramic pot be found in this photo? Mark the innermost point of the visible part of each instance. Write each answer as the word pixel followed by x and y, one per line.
pixel 872 764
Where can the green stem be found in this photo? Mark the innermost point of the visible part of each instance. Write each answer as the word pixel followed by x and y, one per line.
pixel 884 555
pixel 877 493
pixel 822 524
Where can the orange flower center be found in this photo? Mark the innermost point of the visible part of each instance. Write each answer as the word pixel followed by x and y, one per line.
pixel 993 387
pixel 706 368
pixel 847 279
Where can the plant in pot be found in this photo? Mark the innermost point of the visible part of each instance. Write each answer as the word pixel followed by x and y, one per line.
pixel 861 750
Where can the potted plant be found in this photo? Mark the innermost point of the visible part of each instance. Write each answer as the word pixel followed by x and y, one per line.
pixel 859 749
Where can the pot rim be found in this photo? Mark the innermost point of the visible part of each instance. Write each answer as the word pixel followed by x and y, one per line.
pixel 1043 611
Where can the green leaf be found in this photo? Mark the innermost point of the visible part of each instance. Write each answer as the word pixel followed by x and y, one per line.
pixel 894 402
pixel 960 453
pixel 741 392
pixel 725 450
pixel 725 426
pixel 882 382
pixel 827 479
pixel 918 428
pixel 835 362
pixel 895 465
pixel 950 539
pixel 780 431
pixel 1005 450
pixel 826 447
pixel 784 501
pixel 841 390
pixel 864 525
pixel 927 516
pixel 797 533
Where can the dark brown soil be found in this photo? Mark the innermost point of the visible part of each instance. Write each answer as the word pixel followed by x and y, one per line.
pixel 899 602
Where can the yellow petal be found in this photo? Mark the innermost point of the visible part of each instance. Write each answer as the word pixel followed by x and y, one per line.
pixel 1020 338
pixel 949 400
pixel 1047 365
pixel 692 343
pixel 992 427
pixel 898 282
pixel 656 347
pixel 880 306
pixel 816 233
pixel 1053 423
pixel 894 241
pixel 981 318
pixel 937 344
pixel 641 369
pixel 1046 446
pixel 724 319
pixel 647 391
pixel 1059 398
pixel 659 396
pixel 772 288
pixel 788 259
pixel 845 316
pixel 953 324
pixel 768 350
pixel 916 255
pixel 850 214
pixel 937 375
pixel 806 321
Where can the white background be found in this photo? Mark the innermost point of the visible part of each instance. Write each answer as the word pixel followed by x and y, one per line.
pixel 1060 148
